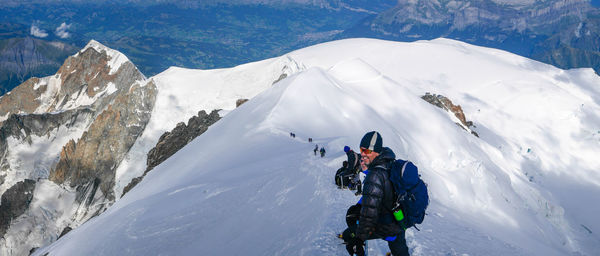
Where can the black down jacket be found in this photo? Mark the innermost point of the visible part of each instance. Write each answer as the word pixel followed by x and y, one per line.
pixel 376 218
pixel 353 160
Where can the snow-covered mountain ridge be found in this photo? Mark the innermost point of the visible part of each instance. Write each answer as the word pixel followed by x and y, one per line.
pixel 525 186
pixel 65 137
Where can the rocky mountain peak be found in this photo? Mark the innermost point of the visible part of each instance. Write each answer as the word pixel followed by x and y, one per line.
pixel 86 79
pixel 76 126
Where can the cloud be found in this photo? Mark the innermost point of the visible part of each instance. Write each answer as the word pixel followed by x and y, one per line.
pixel 37 32
pixel 61 31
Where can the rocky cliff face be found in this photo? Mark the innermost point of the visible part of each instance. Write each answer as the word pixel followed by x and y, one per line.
pixel 69 132
pixel 102 147
pixel 45 130
pixel 14 202
pixel 171 142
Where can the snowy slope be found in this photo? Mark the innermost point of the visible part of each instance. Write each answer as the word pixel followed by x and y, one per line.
pixel 526 186
pixel 184 92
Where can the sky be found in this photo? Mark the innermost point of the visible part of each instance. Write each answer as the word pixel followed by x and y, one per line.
pixel 246 187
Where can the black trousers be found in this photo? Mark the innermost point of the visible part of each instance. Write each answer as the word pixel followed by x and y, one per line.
pixel 354 245
pixel 398 247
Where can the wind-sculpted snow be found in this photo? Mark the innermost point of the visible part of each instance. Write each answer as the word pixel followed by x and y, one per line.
pixel 526 186
pixel 184 92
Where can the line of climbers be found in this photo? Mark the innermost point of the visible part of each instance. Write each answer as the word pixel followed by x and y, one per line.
pixel 321 151
pixel 394 198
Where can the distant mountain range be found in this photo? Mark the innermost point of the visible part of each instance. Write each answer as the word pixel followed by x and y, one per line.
pixel 159 34
pixel 24 57
pixel 564 33
pixel 216 34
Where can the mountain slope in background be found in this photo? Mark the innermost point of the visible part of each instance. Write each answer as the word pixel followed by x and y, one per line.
pixel 216 34
pixel 558 32
pixel 193 34
pixel 22 58
pixel 246 187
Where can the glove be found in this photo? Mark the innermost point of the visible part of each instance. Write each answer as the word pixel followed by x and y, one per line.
pixel 349 234
pixel 356 249
pixel 354 245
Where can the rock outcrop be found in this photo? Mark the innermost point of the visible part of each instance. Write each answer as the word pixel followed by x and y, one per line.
pixel 240 102
pixel 14 203
pixel 444 103
pixel 171 142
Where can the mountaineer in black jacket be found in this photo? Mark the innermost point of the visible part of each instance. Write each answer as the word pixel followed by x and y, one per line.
pixel 376 219
pixel 354 169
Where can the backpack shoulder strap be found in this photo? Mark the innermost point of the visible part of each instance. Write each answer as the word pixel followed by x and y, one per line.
pixel 356 159
pixel 403 168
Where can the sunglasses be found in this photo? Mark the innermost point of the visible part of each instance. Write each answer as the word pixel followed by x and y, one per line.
pixel 365 150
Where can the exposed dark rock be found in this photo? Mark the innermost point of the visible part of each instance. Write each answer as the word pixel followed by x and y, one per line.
pixel 239 102
pixel 181 135
pixel 66 230
pixel 281 77
pixel 132 184
pixel 15 202
pixel 86 192
pixel 171 142
pixel 32 250
pixel 442 102
pixel 102 147
pixel 24 126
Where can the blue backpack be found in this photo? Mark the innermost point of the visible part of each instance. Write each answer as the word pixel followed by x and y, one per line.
pixel 411 192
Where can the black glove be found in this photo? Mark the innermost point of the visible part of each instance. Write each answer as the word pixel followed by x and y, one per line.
pixel 356 249
pixel 349 234
pixel 354 245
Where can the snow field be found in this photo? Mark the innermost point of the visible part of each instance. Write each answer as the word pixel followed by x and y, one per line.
pixel 524 187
